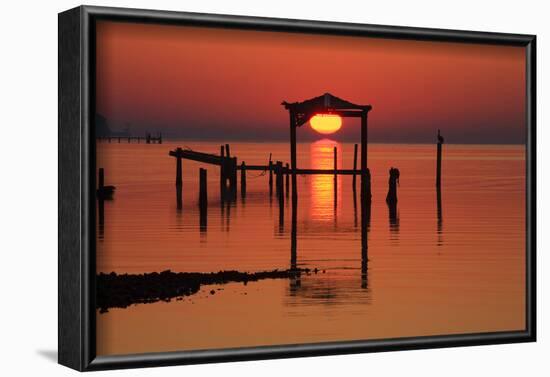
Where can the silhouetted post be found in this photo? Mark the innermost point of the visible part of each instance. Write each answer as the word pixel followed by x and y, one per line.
pixel 293 150
pixel 203 193
pixel 227 150
pixel 287 176
pixel 222 174
pixel 270 176
pixel 279 179
pixel 203 199
pixel 365 175
pixel 101 179
pixel 160 137
pixel 354 164
pixel 391 198
pixel 233 177
pixel 243 179
pixel 280 193
pixel 335 161
pixel 440 141
pixel 119 139
pixel 179 180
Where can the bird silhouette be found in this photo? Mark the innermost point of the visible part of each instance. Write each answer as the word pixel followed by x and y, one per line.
pixel 439 137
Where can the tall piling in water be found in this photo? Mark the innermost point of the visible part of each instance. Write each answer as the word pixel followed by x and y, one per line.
pixel 203 199
pixel 222 173
pixel 391 197
pixel 287 179
pixel 101 179
pixel 270 167
pixel 440 141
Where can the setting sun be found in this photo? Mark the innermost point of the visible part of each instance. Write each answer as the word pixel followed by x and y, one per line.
pixel 326 123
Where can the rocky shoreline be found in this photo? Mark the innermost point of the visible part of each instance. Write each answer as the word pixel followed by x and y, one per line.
pixel 122 290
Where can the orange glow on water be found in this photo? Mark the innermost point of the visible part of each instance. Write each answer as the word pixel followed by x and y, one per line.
pixel 326 123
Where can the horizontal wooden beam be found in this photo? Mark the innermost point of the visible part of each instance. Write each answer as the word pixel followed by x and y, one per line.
pixel 207 158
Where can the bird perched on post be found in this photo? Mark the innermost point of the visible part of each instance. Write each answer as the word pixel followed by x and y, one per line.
pixel 440 139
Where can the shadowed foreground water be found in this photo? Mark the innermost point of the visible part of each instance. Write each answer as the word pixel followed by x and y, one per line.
pixel 427 267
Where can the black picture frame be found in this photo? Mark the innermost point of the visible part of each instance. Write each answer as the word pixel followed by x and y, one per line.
pixel 77 188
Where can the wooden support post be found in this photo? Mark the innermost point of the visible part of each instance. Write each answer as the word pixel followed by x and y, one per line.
pixel 365 174
pixel 160 137
pixel 293 163
pixel 203 193
pixel 354 165
pixel 179 179
pixel 270 176
pixel 280 194
pixel 279 178
pixel 287 176
pixel 203 199
pixel 335 161
pixel 119 139
pixel 391 198
pixel 101 179
pixel 222 173
pixel 364 141
pixel 243 179
pixel 439 150
pixel 227 150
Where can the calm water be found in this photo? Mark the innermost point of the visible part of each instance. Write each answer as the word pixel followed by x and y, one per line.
pixel 430 272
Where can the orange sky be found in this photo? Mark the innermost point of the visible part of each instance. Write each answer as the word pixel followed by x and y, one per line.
pixel 211 83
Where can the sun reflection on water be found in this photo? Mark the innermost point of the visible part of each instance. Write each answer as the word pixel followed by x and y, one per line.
pixel 325 189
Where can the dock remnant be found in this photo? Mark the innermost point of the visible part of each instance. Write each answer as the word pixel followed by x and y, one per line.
pixel 393 181
pixel 243 179
pixel 440 142
pixel 203 199
pixel 104 192
pixel 354 165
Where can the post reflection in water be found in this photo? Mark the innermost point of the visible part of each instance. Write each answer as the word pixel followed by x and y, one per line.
pixel 325 197
pixel 365 225
pixel 101 218
pixel 394 221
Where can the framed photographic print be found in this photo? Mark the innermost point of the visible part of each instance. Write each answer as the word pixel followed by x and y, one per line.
pixel 238 188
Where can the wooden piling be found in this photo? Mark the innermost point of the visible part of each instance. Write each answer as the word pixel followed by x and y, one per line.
pixel 391 197
pixel 222 172
pixel 203 193
pixel 335 161
pixel 243 179
pixel 439 150
pixel 203 200
pixel 354 165
pixel 179 179
pixel 279 178
pixel 270 176
pixel 101 179
pixel 287 178
pixel 233 175
pixel 227 150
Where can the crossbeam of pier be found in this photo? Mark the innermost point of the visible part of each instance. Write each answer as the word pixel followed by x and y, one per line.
pixel 206 158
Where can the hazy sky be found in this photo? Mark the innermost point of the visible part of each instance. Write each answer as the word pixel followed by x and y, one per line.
pixel 212 83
